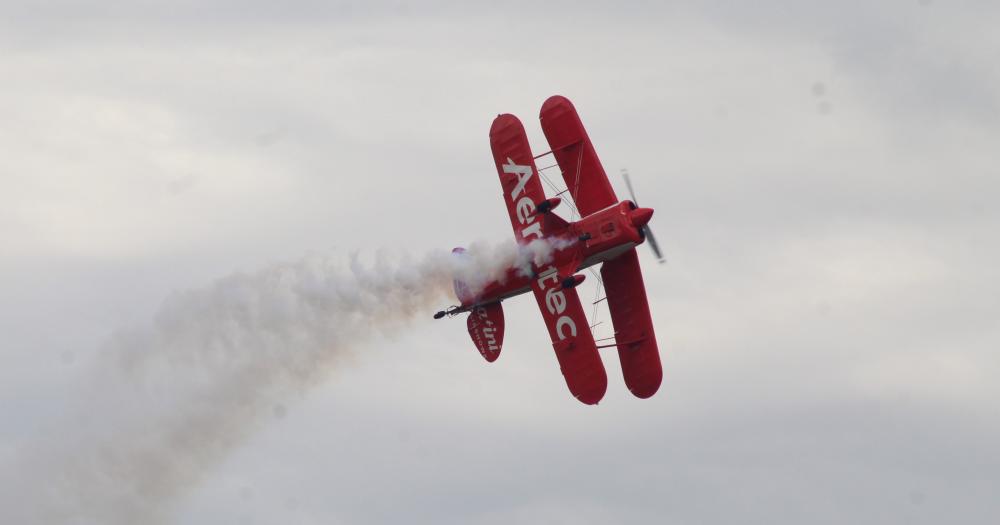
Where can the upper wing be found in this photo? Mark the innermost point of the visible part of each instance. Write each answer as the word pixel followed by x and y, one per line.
pixel 581 169
pixel 571 338
pixel 633 324
pixel 522 190
pixel 568 328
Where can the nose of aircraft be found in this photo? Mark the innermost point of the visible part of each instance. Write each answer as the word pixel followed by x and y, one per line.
pixel 641 216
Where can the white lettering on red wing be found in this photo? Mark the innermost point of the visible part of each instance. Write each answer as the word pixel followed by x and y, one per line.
pixel 555 303
pixel 523 173
pixel 555 299
pixel 565 321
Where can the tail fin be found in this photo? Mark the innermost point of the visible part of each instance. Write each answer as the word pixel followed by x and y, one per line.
pixel 486 329
pixel 462 291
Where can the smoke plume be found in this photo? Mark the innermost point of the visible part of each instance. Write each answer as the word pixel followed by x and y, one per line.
pixel 163 403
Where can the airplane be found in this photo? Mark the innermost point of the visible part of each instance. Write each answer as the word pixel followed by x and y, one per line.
pixel 607 232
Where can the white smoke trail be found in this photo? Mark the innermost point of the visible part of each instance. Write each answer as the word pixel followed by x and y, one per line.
pixel 167 401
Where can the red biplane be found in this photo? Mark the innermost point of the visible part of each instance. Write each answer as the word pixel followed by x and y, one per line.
pixel 607 232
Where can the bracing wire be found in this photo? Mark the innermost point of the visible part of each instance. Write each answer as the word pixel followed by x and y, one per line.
pixel 557 192
pixel 594 322
pixel 597 294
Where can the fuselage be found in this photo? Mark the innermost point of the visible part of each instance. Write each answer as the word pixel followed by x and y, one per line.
pixel 598 237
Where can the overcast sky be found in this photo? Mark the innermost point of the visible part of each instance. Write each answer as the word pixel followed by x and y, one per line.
pixel 824 176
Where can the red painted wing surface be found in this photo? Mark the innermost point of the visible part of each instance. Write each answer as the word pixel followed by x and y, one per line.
pixel 561 309
pixel 518 177
pixel 581 169
pixel 569 331
pixel 633 324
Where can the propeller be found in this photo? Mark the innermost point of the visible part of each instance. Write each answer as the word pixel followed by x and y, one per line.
pixel 645 228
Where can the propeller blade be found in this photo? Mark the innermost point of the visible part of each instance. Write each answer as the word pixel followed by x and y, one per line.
pixel 628 183
pixel 651 240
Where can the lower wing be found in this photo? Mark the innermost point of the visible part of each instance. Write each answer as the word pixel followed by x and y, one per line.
pixel 633 325
pixel 572 340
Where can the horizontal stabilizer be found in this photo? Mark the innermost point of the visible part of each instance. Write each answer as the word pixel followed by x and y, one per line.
pixel 486 329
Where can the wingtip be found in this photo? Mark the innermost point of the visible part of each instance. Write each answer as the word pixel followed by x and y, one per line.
pixel 504 121
pixel 649 385
pixel 594 394
pixel 586 400
pixel 554 102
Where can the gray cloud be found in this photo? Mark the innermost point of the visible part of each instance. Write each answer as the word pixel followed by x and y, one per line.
pixel 823 179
